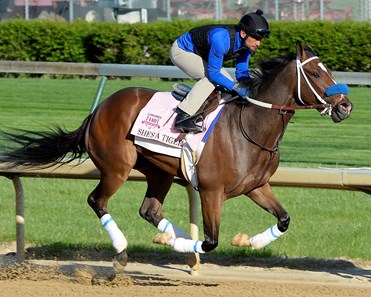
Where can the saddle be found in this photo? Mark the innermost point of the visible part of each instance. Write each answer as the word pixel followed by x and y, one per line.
pixel 180 91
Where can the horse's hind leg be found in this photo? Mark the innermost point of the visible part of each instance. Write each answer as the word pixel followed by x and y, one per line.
pixel 98 201
pixel 159 183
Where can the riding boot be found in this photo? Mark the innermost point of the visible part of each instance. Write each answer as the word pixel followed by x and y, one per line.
pixel 185 124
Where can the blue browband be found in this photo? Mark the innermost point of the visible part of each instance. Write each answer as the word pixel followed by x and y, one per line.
pixel 337 89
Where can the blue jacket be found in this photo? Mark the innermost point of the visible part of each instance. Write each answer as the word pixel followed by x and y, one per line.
pixel 219 42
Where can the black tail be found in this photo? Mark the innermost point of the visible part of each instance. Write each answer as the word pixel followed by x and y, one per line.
pixel 42 149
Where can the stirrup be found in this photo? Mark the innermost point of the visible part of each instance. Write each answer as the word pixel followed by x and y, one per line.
pixel 188 128
pixel 185 123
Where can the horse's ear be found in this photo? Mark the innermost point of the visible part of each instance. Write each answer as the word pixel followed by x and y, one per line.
pixel 300 50
pixel 308 47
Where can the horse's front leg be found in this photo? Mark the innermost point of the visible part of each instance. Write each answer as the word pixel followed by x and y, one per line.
pixel 211 203
pixel 266 199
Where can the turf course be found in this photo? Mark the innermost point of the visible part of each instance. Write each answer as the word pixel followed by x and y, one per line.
pixel 325 224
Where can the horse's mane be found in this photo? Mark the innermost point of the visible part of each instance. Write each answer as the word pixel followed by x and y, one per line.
pixel 268 69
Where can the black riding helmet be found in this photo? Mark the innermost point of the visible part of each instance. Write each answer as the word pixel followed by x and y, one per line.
pixel 255 25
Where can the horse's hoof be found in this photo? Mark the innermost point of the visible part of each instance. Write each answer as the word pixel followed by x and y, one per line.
pixel 162 238
pixel 120 261
pixel 193 261
pixel 241 239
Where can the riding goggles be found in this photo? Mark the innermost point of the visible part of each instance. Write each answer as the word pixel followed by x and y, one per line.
pixel 260 34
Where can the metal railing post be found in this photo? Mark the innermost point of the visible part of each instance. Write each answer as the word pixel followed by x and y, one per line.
pixel 193 225
pixel 19 217
pixel 98 95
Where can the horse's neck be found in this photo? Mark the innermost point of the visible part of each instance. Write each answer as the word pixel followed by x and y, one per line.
pixel 267 126
pixel 280 90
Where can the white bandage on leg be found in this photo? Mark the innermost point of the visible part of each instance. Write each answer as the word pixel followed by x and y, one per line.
pixel 174 231
pixel 262 239
pixel 119 241
pixel 183 245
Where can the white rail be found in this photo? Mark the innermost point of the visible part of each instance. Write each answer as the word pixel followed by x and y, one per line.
pixel 132 70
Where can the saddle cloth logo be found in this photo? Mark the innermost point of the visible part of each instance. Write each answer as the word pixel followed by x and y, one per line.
pixel 152 120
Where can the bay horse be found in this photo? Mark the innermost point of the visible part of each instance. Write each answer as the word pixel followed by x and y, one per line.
pixel 240 156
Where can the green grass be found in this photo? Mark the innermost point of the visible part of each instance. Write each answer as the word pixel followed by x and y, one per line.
pixel 324 223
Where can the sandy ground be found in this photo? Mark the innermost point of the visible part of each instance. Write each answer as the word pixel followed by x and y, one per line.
pixel 167 277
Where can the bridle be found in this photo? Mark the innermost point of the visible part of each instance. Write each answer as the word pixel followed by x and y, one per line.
pixel 300 69
pixel 326 107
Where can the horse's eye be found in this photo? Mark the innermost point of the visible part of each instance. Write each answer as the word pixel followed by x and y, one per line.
pixel 315 74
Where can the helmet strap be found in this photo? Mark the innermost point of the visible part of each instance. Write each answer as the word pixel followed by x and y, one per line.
pixel 246 35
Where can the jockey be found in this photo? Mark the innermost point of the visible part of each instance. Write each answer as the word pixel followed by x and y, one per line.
pixel 200 53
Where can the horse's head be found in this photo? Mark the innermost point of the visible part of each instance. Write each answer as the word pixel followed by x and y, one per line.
pixel 315 84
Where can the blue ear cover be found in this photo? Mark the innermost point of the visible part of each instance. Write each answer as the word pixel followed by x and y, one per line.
pixel 337 89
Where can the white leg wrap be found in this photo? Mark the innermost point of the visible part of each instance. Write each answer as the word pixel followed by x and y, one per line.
pixel 262 239
pixel 174 231
pixel 180 241
pixel 119 241
pixel 183 245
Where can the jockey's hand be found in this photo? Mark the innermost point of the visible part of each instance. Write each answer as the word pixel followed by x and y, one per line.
pixel 241 90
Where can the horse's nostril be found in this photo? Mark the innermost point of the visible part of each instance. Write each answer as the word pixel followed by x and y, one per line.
pixel 346 106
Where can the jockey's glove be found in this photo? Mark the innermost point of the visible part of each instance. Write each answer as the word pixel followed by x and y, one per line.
pixel 241 90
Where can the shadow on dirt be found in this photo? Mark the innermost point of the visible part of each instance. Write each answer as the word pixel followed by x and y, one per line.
pixel 342 267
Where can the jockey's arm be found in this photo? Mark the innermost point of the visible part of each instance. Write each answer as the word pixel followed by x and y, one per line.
pixel 242 66
pixel 219 46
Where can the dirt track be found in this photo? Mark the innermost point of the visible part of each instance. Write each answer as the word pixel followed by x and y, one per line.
pixel 262 278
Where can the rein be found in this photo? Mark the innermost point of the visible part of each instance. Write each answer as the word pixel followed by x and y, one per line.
pixel 273 149
pixel 286 108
